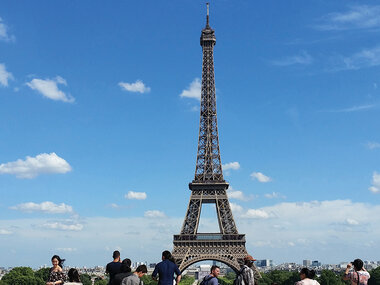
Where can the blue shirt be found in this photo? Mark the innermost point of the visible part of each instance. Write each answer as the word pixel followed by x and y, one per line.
pixel 211 280
pixel 166 270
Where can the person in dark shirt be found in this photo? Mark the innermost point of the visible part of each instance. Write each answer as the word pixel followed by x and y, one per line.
pixel 166 269
pixel 113 267
pixel 125 271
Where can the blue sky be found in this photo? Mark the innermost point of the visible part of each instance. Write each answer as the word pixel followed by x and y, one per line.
pixel 99 118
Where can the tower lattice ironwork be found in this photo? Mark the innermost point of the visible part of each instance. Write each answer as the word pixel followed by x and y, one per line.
pixel 208 186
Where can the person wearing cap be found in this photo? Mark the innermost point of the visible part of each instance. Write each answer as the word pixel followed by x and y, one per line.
pixel 359 276
pixel 247 271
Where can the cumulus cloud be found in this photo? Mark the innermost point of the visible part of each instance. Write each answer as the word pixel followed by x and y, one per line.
pixel 303 59
pixel 44 207
pixel 193 91
pixel 260 177
pixel 256 214
pixel 4 34
pixel 375 188
pixel 33 166
pixel 236 194
pixel 231 165
pixel 5 232
pixel 235 208
pixel 154 214
pixel 5 76
pixel 373 145
pixel 138 86
pixel 274 195
pixel 49 89
pixel 136 195
pixel 63 226
pixel 356 17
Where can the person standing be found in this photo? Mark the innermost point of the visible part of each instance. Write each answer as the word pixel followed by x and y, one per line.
pixel 307 276
pixel 134 279
pixel 113 267
pixel 125 271
pixel 246 271
pixel 166 270
pixel 359 276
pixel 56 275
pixel 74 278
pixel 212 278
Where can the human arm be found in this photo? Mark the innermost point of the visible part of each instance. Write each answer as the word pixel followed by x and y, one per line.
pixel 178 273
pixel 154 274
pixel 346 275
pixel 178 279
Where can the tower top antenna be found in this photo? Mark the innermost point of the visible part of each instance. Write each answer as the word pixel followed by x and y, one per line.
pixel 208 14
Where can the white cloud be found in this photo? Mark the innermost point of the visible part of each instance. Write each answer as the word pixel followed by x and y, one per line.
pixel 352 109
pixel 136 195
pixel 154 214
pixel 5 76
pixel 114 206
pixel 352 222
pixel 256 214
pixel 235 208
pixel 231 165
pixel 274 195
pixel 63 226
pixel 31 167
pixel 193 91
pixel 303 58
pixel 44 207
pixel 66 249
pixel 373 145
pixel 4 35
pixel 357 17
pixel 375 188
pixel 49 88
pixel 368 57
pixel 5 232
pixel 138 86
pixel 236 194
pixel 260 177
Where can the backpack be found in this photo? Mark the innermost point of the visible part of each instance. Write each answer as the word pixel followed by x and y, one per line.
pixel 239 280
pixel 206 280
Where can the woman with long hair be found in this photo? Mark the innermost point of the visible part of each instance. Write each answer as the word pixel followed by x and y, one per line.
pixel 74 278
pixel 56 275
pixel 307 276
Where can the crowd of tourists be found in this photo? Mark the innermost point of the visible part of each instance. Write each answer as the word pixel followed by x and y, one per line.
pixel 167 272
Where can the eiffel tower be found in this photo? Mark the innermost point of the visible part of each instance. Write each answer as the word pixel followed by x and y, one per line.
pixel 208 186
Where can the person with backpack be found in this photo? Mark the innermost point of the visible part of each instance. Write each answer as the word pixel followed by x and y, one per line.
pixel 359 276
pixel 212 278
pixel 246 276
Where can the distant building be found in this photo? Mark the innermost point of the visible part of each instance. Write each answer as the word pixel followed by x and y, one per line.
pixel 264 262
pixel 306 262
pixel 315 263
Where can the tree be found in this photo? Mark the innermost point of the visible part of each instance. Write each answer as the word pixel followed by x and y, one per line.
pixel 21 276
pixel 85 279
pixel 147 279
pixel 43 273
pixel 328 277
pixel 375 276
pixel 186 280
pixel 100 282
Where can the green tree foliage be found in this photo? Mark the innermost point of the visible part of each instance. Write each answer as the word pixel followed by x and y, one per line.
pixel 100 282
pixel 186 280
pixel 329 277
pixel 279 277
pixel 43 273
pixel 21 276
pixel 375 276
pixel 147 279
pixel 85 279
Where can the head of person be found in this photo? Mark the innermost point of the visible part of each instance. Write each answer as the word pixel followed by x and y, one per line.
pixel 307 273
pixel 57 261
pixel 248 260
pixel 116 255
pixel 73 275
pixel 215 270
pixel 141 270
pixel 166 255
pixel 358 264
pixel 125 266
